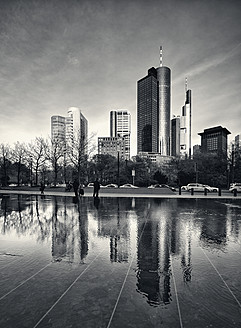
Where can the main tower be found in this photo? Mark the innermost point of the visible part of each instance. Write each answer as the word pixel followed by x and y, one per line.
pixel 154 110
pixel 164 92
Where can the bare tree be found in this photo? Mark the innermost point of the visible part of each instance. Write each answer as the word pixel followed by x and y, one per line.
pixel 5 157
pixel 55 149
pixel 78 151
pixel 36 154
pixel 19 155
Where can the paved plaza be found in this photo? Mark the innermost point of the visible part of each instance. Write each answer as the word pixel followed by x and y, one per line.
pixel 122 260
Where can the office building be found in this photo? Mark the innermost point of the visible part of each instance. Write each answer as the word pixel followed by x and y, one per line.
pixel 175 136
pixel 153 110
pixel 76 126
pixel 112 146
pixel 196 150
pixel 120 126
pixel 214 140
pixel 58 128
pixel 72 128
pixel 186 126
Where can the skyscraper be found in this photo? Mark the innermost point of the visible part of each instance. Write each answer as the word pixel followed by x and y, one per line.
pixel 58 127
pixel 76 127
pixel 120 126
pixel 70 128
pixel 186 125
pixel 175 136
pixel 153 110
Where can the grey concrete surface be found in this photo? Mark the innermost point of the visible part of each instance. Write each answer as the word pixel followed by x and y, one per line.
pixel 121 192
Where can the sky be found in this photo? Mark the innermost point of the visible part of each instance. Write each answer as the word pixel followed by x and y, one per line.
pixel 56 54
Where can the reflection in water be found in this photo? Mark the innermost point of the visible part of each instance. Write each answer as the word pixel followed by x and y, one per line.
pixel 69 232
pixel 153 276
pixel 96 202
pixel 153 230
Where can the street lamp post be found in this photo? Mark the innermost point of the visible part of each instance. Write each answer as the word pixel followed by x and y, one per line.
pixel 133 176
pixel 118 169
pixel 196 171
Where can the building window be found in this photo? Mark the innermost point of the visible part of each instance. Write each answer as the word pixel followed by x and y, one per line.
pixel 212 144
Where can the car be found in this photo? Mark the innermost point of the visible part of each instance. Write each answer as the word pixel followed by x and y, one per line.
pixel 111 185
pixel 212 189
pixel 91 185
pixel 199 187
pixel 161 186
pixel 128 185
pixel 235 186
pixel 172 188
pixel 195 187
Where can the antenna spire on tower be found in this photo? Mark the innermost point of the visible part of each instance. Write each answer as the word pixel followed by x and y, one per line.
pixel 160 56
pixel 186 84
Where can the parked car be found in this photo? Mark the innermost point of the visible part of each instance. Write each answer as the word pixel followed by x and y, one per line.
pixel 212 189
pixel 199 187
pixel 91 184
pixel 195 187
pixel 236 186
pixel 161 186
pixel 128 185
pixel 111 185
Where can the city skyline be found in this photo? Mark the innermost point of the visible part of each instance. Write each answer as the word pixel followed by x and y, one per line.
pixel 60 54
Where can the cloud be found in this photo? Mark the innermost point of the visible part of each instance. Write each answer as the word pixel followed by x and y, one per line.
pixel 209 63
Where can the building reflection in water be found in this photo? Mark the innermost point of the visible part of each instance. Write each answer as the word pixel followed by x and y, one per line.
pixel 69 232
pixel 113 223
pixel 214 231
pixel 153 254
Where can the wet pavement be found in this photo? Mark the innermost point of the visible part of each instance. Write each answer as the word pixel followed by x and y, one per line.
pixel 119 262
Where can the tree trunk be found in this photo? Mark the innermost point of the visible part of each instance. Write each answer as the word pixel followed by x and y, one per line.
pixel 19 170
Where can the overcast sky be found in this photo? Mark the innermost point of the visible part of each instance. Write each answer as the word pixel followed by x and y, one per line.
pixel 90 54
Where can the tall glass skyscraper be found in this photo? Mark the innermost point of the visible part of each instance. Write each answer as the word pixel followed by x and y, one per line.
pixel 153 111
pixel 185 127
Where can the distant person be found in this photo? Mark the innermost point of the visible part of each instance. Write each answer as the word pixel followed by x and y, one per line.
pixel 42 187
pixel 68 186
pixel 96 188
pixel 76 187
pixel 81 190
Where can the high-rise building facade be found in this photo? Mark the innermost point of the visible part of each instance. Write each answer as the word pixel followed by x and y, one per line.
pixel 58 128
pixel 76 126
pixel 181 129
pixel 214 140
pixel 164 85
pixel 147 113
pixel 153 111
pixel 186 126
pixel 175 136
pixel 120 126
pixel 70 128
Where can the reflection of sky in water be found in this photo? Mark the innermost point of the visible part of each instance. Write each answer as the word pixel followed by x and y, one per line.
pixel 157 235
